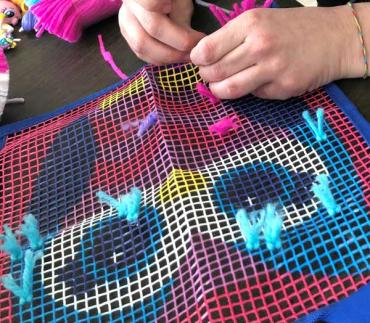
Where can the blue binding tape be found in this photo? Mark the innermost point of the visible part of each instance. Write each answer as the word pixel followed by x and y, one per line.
pixel 340 99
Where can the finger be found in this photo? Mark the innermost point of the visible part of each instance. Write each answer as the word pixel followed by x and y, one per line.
pixel 215 46
pixel 165 30
pixel 235 61
pixel 162 6
pixel 274 91
pixel 144 46
pixel 240 84
pixel 267 91
pixel 181 12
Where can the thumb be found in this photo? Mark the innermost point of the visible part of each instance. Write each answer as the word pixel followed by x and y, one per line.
pixel 181 14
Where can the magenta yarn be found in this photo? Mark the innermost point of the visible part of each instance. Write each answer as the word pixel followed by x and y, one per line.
pixel 66 19
pixel 4 67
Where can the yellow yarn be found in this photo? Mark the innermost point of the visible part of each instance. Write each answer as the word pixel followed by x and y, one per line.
pixel 21 5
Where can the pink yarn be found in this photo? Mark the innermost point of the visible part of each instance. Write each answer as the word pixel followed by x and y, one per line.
pixel 109 59
pixel 204 91
pixel 248 4
pixel 217 13
pixel 268 3
pixel 4 67
pixel 225 125
pixel 238 9
pixel 67 18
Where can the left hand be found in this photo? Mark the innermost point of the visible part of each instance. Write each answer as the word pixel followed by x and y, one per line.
pixel 279 53
pixel 159 37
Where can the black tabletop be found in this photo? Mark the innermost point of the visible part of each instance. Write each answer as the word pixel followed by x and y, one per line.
pixel 50 73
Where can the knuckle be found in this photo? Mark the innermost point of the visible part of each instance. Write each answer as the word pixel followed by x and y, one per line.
pixel 287 88
pixel 150 5
pixel 263 43
pixel 289 83
pixel 153 27
pixel 253 17
pixel 187 43
pixel 231 90
pixel 207 50
pixel 217 72
pixel 138 45
pixel 276 66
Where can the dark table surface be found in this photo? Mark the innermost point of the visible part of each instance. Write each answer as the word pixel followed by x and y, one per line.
pixel 50 73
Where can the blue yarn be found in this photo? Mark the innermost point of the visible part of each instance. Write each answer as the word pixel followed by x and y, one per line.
pixel 30 259
pixel 107 199
pixel 24 292
pixel 10 244
pixel 128 125
pixel 149 121
pixel 29 21
pixel 127 205
pixel 30 3
pixel 29 229
pixel 316 127
pixel 132 201
pixel 322 191
pixel 272 226
pixel 250 228
pixel 10 284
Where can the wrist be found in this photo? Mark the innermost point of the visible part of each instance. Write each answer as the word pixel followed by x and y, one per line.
pixel 351 60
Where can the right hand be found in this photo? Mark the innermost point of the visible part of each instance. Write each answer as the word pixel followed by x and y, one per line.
pixel 159 31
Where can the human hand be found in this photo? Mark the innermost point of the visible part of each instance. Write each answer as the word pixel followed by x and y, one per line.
pixel 279 53
pixel 159 31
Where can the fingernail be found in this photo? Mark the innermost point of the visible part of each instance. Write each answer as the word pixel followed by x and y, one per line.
pixel 214 87
pixel 194 55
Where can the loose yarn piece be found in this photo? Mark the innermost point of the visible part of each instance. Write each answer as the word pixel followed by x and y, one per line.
pixel 11 244
pixel 316 127
pixel 204 91
pixel 29 229
pixel 322 191
pixel 251 227
pixel 24 290
pixel 225 125
pixel 109 59
pixel 272 226
pixel 127 205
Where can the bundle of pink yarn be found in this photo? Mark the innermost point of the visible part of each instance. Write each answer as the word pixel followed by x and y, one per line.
pixel 67 18
pixel 4 81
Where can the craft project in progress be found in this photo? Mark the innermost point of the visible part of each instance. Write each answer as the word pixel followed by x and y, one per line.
pixel 149 201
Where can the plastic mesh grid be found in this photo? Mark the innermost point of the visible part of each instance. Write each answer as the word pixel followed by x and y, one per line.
pixel 185 259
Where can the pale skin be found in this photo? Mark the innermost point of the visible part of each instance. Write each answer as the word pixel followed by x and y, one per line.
pixel 159 31
pixel 271 53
